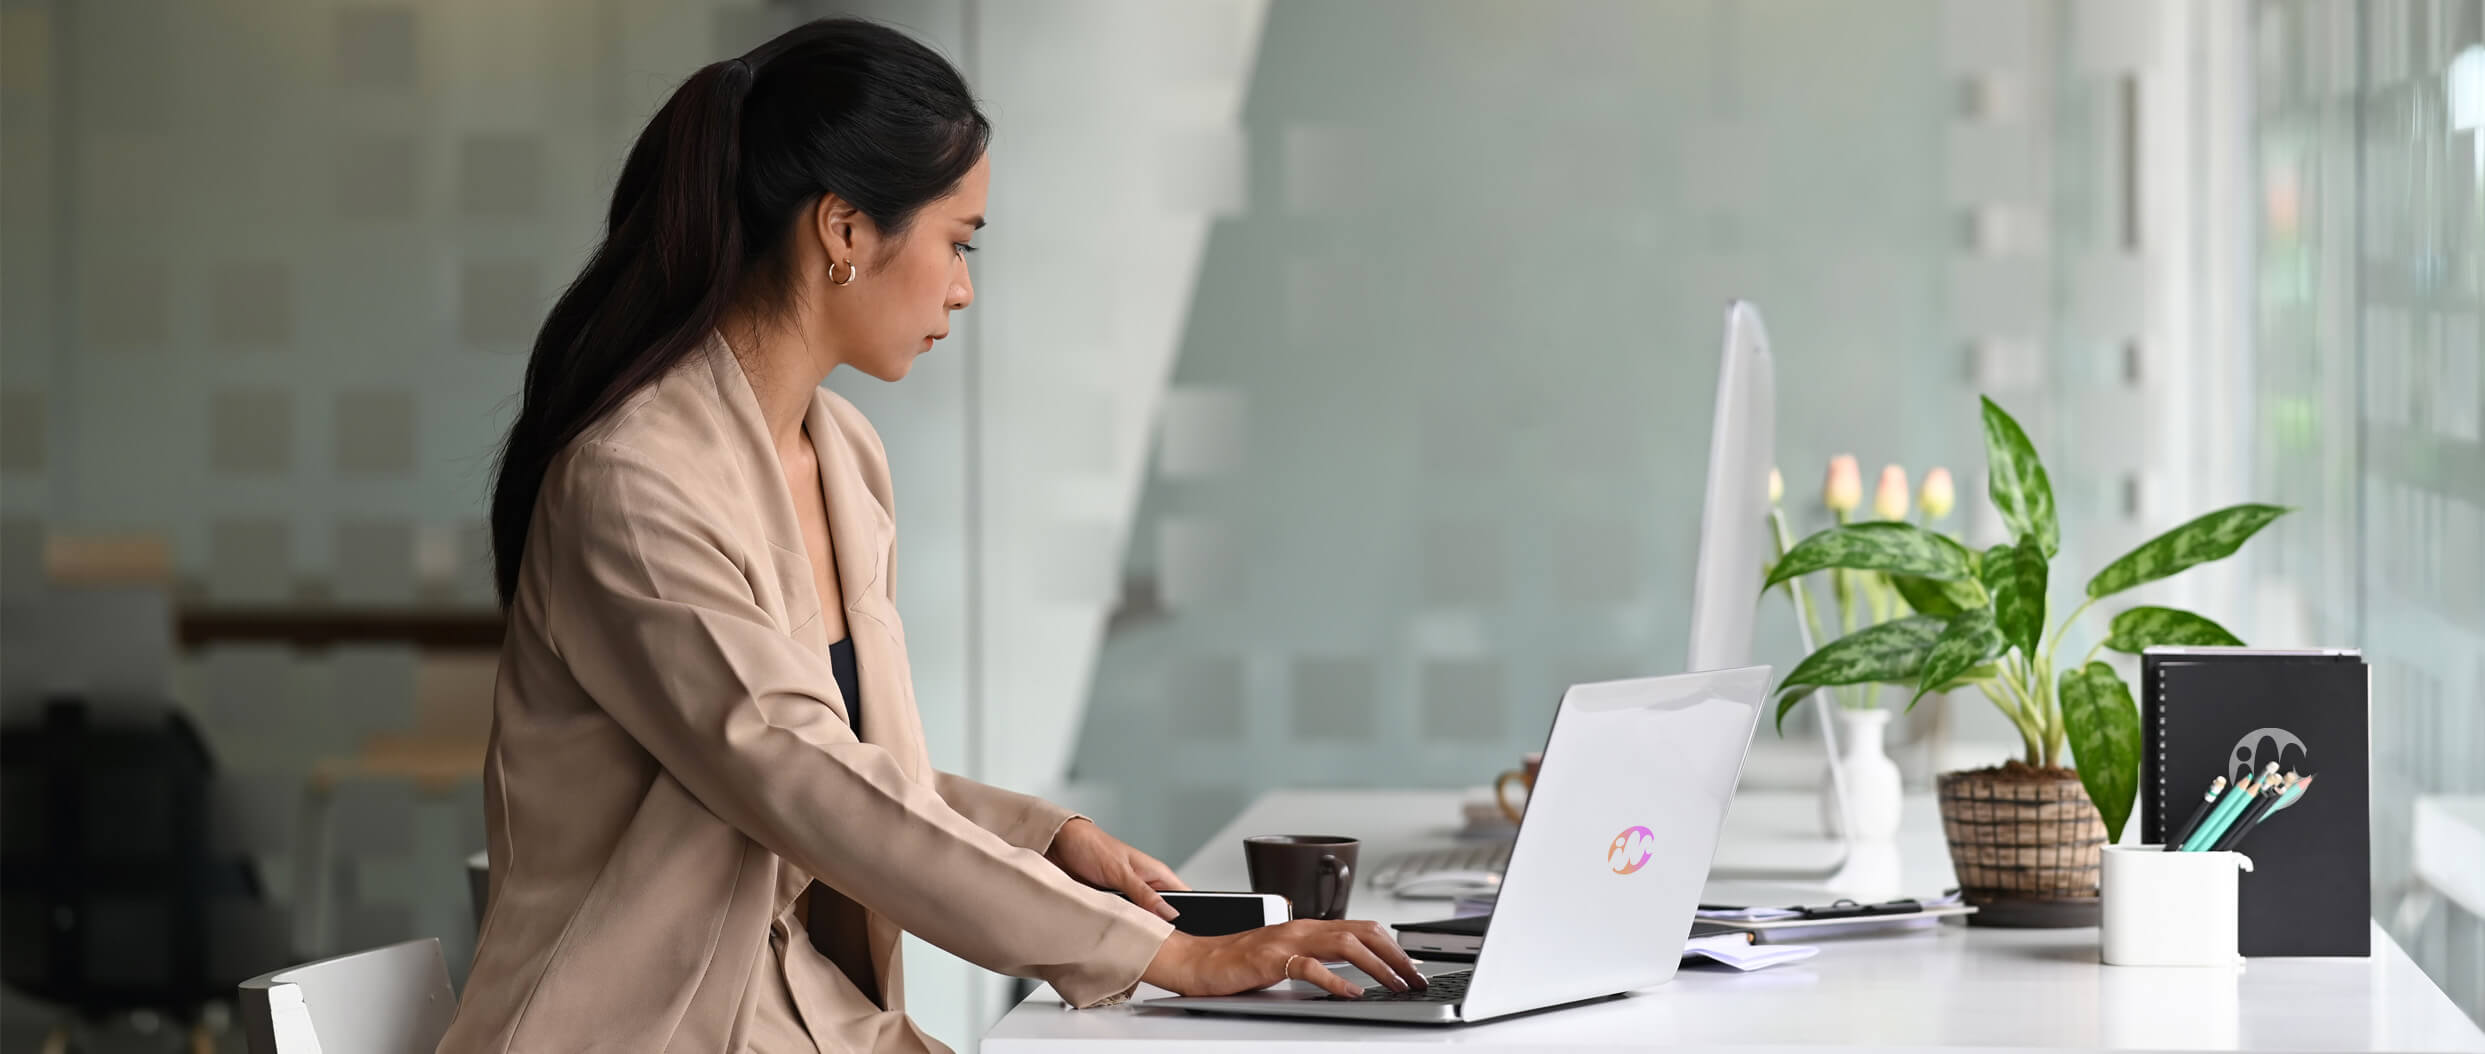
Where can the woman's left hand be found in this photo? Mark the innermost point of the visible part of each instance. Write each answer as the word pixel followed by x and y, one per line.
pixel 1086 853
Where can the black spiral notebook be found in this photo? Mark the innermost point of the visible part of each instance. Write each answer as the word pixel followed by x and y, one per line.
pixel 2210 712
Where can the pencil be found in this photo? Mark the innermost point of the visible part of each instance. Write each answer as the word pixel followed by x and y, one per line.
pixel 2176 838
pixel 2296 795
pixel 2231 800
pixel 2252 815
pixel 2208 836
pixel 2286 797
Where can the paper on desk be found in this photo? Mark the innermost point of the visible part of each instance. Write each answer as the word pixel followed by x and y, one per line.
pixel 1725 914
pixel 1721 913
pixel 1733 950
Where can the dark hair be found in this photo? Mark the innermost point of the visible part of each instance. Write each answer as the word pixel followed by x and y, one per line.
pixel 700 216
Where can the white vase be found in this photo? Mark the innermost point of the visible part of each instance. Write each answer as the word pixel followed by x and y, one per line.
pixel 1873 790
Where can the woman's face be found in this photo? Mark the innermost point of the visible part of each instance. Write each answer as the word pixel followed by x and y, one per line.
pixel 899 303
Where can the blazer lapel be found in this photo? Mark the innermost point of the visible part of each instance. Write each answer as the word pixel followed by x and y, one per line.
pixel 787 564
pixel 862 532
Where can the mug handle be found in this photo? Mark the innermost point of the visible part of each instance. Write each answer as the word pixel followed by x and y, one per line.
pixel 1333 897
pixel 1501 793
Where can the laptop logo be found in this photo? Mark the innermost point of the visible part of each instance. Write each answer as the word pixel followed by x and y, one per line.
pixel 1631 850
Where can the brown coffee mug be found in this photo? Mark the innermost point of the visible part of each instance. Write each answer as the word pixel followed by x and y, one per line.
pixel 1314 872
pixel 1526 775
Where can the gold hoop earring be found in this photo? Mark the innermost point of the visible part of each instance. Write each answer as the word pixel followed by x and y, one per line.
pixel 852 271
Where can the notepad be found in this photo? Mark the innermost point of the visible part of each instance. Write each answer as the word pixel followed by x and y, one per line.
pixel 1458 940
pixel 1838 919
pixel 1739 952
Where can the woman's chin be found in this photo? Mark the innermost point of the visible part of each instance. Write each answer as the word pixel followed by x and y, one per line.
pixel 890 370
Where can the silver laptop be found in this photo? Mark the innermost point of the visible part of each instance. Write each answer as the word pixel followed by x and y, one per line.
pixel 1609 860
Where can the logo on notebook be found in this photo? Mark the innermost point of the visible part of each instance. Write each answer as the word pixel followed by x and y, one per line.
pixel 2259 747
pixel 1631 850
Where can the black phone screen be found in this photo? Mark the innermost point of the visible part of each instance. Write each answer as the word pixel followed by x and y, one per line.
pixel 1215 916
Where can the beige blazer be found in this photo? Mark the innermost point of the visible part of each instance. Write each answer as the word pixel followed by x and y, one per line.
pixel 671 766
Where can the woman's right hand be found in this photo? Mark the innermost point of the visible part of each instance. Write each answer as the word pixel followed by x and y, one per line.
pixel 1288 951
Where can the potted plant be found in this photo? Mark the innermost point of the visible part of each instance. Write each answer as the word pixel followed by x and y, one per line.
pixel 1858 599
pixel 2026 837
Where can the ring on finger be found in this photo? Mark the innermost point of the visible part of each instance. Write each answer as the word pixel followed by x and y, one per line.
pixel 1289 970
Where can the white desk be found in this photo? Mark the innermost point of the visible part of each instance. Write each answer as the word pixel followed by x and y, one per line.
pixel 1953 988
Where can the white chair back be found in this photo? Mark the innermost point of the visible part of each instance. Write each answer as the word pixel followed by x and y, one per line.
pixel 392 1000
pixel 479 884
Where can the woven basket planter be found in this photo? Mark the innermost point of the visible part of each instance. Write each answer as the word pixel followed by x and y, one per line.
pixel 2027 848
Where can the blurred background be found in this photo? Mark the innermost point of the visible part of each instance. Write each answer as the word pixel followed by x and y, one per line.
pixel 1337 391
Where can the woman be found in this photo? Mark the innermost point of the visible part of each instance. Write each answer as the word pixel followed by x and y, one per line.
pixel 711 812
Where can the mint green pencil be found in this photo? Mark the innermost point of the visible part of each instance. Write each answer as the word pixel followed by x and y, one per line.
pixel 2237 797
pixel 2236 800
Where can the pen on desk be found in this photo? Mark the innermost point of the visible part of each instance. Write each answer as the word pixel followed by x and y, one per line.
pixel 2253 813
pixel 2176 838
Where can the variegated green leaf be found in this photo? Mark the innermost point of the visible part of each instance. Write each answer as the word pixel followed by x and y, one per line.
pixel 2215 536
pixel 2147 627
pixel 1892 651
pixel 1899 548
pixel 2017 481
pixel 1978 675
pixel 1934 596
pixel 2019 594
pixel 1969 640
pixel 2104 731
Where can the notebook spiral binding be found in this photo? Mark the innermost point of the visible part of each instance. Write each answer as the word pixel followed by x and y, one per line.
pixel 2159 759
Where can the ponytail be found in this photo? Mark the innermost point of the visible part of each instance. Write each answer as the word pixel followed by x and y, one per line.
pixel 702 207
pixel 648 296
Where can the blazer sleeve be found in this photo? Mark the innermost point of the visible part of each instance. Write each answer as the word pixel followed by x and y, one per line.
pixel 660 626
pixel 1022 820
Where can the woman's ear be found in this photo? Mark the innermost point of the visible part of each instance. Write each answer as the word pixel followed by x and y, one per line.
pixel 840 230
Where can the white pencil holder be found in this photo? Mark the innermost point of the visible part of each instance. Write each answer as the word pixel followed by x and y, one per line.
pixel 2169 909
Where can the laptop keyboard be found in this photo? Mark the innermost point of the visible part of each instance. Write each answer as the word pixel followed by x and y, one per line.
pixel 1487 856
pixel 1443 988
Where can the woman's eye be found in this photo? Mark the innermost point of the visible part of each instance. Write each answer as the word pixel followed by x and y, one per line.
pixel 962 248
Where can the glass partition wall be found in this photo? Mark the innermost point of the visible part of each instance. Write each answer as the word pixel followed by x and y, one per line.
pixel 2369 396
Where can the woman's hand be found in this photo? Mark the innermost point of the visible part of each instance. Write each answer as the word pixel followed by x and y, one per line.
pixel 1085 852
pixel 1289 951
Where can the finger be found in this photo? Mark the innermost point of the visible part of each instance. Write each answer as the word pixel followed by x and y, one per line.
pixel 1156 873
pixel 1308 968
pixel 1140 894
pixel 1365 960
pixel 1378 939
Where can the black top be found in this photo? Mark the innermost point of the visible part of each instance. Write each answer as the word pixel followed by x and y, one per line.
pixel 841 659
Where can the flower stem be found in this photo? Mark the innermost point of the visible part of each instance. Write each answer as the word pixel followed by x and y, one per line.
pixel 1805 607
pixel 1794 586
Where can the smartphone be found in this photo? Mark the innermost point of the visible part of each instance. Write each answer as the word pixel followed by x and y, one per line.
pixel 1217 914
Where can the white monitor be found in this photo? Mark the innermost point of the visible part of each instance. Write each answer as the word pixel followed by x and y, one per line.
pixel 1734 547
pixel 1725 586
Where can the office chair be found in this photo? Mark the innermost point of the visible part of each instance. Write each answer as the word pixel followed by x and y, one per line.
pixel 390 1000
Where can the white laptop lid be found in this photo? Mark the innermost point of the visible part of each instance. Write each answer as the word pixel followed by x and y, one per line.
pixel 1617 839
